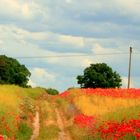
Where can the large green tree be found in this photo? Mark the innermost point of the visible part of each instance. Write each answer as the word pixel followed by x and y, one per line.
pixel 99 75
pixel 12 72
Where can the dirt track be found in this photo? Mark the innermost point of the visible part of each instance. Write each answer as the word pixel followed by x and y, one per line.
pixel 36 127
pixel 63 135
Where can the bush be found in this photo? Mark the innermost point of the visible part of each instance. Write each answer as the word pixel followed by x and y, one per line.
pixel 52 91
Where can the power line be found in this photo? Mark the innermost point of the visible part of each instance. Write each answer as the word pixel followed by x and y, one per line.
pixel 136 53
pixel 70 55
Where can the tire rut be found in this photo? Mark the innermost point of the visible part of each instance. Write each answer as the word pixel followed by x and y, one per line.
pixel 36 126
pixel 63 135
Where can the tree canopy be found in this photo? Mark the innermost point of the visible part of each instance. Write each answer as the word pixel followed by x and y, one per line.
pixel 12 72
pixel 52 91
pixel 99 75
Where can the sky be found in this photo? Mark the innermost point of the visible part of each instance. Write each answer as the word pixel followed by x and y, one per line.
pixel 96 31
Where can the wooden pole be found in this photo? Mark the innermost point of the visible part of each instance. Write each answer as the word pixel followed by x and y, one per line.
pixel 129 69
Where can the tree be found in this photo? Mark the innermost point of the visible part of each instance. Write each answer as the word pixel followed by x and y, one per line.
pixel 99 75
pixel 12 72
pixel 52 91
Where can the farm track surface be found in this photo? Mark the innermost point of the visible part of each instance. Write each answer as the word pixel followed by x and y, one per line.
pixel 36 126
pixel 60 118
pixel 63 134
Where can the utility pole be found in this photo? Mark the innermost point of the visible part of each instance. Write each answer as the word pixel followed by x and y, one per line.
pixel 129 69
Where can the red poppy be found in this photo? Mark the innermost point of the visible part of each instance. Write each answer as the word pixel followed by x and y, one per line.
pixel 1 137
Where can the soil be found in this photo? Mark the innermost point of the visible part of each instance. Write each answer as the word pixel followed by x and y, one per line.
pixel 63 134
pixel 36 127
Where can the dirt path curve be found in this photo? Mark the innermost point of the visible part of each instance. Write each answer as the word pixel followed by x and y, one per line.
pixel 36 127
pixel 63 135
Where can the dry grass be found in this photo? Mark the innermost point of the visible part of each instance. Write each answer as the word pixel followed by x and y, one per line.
pixel 16 110
pixel 9 100
pixel 99 105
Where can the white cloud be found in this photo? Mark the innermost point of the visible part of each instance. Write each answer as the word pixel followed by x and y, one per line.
pixel 129 7
pixel 42 77
pixel 68 1
pixel 78 41
pixel 11 7
pixel 19 9
pixel 26 10
pixel 125 82
pixel 43 74
pixel 42 36
pixel 86 62
pixel 31 83
pixel 25 34
pixel 123 7
pixel 1 42
pixel 97 48
pixel 17 42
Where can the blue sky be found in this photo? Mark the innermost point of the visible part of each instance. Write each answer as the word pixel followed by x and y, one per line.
pixel 71 27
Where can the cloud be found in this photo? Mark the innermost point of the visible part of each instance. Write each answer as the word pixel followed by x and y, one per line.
pixel 26 10
pixel 70 27
pixel 19 42
pixel 50 37
pixel 68 1
pixel 86 62
pixel 16 9
pixel 42 77
pixel 132 7
pixel 13 7
pixel 134 82
pixel 43 74
pixel 31 83
pixel 78 41
pixel 93 18
pixel 98 49
pixel 124 82
pixel 1 42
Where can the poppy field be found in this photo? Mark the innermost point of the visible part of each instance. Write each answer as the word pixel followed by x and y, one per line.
pixel 86 114
pixel 104 114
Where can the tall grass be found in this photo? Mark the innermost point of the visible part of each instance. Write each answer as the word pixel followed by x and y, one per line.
pixel 100 105
pixel 48 121
pixel 9 99
pixel 16 111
